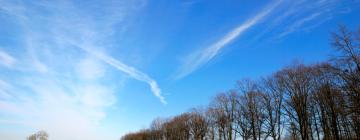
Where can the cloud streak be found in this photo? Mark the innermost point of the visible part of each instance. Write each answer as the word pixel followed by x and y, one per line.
pixel 131 71
pixel 298 16
pixel 61 71
pixel 298 24
pixel 90 32
pixel 199 58
pixel 291 16
pixel 6 59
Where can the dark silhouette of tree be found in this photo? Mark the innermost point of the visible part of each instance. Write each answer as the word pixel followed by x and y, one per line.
pixel 347 66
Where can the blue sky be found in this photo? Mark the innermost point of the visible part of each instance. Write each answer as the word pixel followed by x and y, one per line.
pixel 98 69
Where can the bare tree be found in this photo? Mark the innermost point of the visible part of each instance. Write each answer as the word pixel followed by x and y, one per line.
pixel 198 124
pixel 156 129
pixel 41 135
pixel 224 110
pixel 297 84
pixel 273 102
pixel 211 117
pixel 178 127
pixel 347 66
pixel 253 107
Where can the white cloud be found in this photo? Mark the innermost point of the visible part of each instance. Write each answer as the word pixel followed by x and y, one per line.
pixel 197 59
pixel 5 89
pixel 6 59
pixel 290 17
pixel 131 71
pixel 96 96
pixel 298 16
pixel 298 24
pixel 60 89
pixel 64 109
pixel 90 68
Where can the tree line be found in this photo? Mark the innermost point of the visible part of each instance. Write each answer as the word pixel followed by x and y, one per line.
pixel 318 101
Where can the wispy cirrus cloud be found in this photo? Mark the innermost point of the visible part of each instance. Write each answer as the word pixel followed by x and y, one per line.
pixel 280 19
pixel 88 33
pixel 64 68
pixel 6 59
pixel 199 58
pixel 301 16
pixel 131 71
pixel 296 25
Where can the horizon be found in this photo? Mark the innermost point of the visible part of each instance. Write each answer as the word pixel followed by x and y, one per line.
pixel 100 69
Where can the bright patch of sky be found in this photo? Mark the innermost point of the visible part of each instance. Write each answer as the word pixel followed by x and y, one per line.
pixel 93 69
